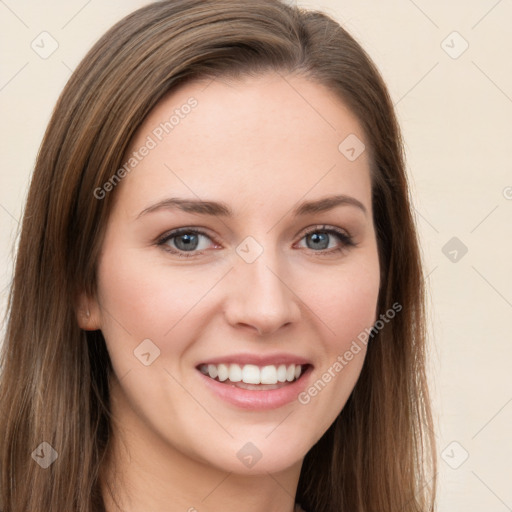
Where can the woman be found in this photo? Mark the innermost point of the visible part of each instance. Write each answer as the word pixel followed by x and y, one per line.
pixel 218 297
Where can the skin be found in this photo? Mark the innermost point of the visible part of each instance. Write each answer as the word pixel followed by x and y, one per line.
pixel 261 145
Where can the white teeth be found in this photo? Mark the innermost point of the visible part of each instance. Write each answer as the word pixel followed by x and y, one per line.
pixel 269 375
pixel 222 372
pixel 235 373
pixel 252 374
pixel 281 373
pixel 212 370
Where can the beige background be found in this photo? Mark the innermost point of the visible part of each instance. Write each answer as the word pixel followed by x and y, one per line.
pixel 455 111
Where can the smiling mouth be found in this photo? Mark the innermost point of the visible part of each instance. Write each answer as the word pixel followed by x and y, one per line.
pixel 253 377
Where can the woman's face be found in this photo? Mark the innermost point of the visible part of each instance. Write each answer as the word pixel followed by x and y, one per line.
pixel 269 269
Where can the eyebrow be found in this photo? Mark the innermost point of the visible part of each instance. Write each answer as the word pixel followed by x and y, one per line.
pixel 221 209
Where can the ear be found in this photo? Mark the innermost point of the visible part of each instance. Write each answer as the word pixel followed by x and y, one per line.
pixel 87 313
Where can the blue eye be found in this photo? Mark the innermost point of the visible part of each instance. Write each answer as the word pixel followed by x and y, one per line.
pixel 320 238
pixel 185 242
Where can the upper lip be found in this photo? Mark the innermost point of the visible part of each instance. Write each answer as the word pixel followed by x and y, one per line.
pixel 257 359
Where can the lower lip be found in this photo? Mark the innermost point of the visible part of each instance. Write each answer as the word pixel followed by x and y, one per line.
pixel 258 400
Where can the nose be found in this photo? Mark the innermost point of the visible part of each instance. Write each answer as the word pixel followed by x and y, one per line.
pixel 261 296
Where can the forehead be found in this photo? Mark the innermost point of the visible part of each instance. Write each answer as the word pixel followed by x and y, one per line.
pixel 247 139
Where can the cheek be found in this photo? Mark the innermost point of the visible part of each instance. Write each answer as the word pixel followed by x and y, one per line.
pixel 356 301
pixel 141 301
pixel 144 299
pixel 345 301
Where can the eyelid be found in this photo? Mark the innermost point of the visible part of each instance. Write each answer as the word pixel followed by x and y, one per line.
pixel 180 231
pixel 325 228
pixel 345 237
pixel 174 233
pixel 347 240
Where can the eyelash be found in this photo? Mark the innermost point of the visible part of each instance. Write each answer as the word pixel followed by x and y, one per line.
pixel 346 240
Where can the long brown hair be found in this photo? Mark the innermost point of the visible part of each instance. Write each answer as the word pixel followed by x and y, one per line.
pixel 379 454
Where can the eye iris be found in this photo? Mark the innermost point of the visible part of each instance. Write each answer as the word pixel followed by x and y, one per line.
pixel 319 238
pixel 189 241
